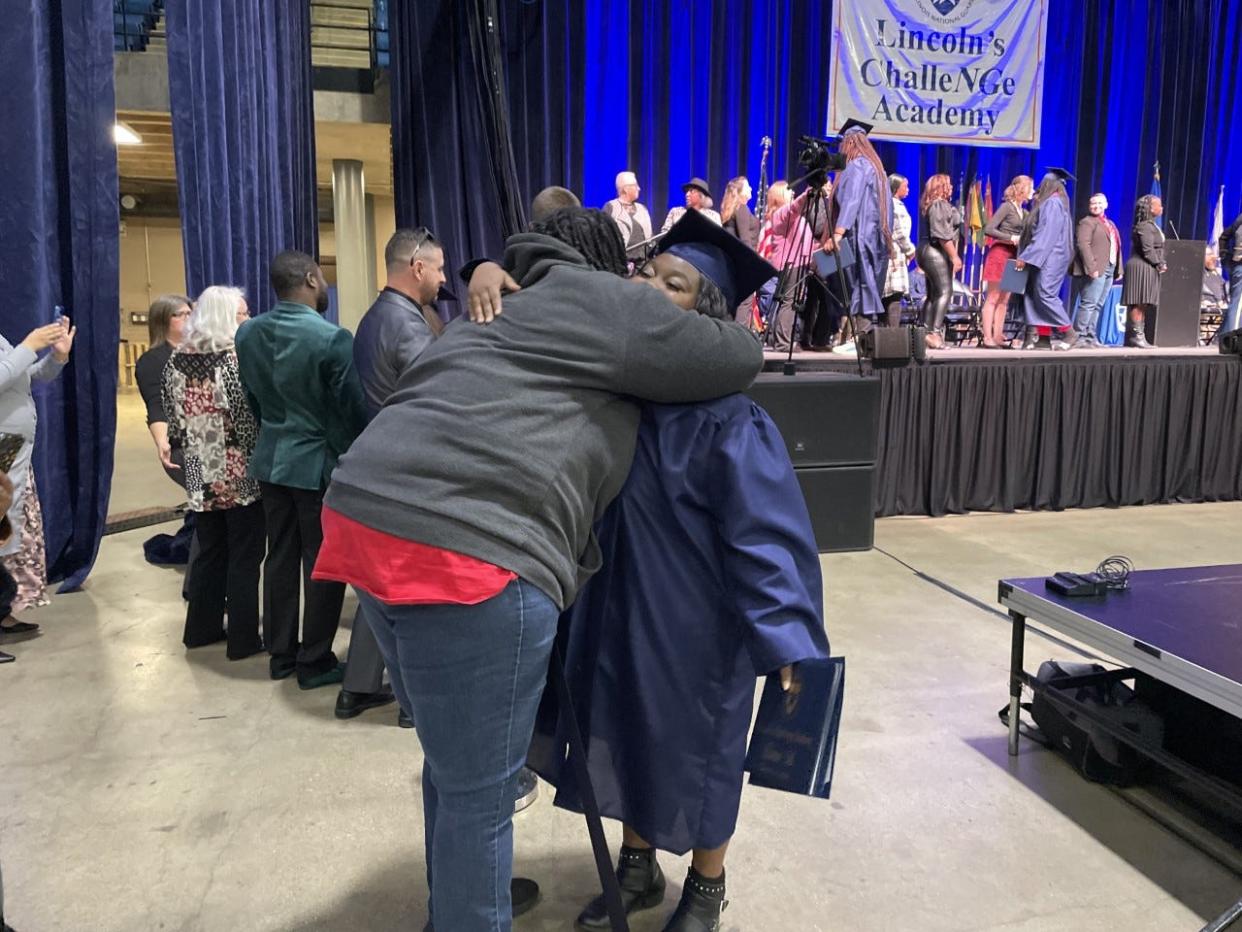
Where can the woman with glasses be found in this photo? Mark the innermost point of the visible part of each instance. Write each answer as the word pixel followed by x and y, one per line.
pixel 167 319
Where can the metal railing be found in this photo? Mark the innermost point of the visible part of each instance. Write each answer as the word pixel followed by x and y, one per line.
pixel 343 35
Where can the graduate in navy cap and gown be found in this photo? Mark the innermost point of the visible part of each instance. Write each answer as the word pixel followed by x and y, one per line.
pixel 710 579
pixel 862 206
pixel 1047 249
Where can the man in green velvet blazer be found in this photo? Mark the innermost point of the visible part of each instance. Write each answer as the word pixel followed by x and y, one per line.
pixel 298 371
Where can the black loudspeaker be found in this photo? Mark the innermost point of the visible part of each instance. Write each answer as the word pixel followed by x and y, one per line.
pixel 826 418
pixel 1175 321
pixel 830 423
pixel 841 502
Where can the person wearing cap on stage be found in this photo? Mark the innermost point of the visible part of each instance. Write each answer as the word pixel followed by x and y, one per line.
pixel 861 206
pixel 1141 290
pixel 710 578
pixel 1047 249
pixel 632 218
pixel 699 198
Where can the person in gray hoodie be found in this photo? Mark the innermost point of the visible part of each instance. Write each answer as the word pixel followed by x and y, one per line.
pixel 463 515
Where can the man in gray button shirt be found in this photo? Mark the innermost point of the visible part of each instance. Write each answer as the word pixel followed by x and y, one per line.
pixel 398 327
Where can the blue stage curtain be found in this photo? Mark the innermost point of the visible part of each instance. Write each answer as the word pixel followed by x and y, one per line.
pixel 453 158
pixel 239 81
pixel 60 221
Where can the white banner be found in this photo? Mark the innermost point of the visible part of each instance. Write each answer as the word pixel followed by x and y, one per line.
pixel 940 71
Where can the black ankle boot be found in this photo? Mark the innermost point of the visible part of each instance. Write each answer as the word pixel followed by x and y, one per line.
pixel 702 902
pixel 642 887
pixel 1031 340
pixel 1136 338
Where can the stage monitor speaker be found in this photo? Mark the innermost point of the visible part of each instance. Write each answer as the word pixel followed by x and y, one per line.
pixel 841 502
pixel 1175 321
pixel 826 418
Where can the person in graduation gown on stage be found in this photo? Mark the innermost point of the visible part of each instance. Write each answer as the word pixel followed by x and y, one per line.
pixel 1047 250
pixel 861 207
pixel 710 579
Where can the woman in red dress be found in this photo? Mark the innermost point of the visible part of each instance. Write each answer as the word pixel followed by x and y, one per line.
pixel 1004 228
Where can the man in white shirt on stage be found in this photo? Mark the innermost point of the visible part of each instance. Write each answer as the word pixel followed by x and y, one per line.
pixel 632 217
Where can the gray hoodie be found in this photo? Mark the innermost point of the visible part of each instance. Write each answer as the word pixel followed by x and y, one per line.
pixel 507 442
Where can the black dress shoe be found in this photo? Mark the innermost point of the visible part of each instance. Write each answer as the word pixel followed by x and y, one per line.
pixel 6 658
pixel 351 704
pixel 21 627
pixel 525 895
pixel 403 720
pixel 642 887
pixel 702 902
pixel 282 669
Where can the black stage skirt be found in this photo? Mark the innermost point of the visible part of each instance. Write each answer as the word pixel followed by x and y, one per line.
pixel 1141 284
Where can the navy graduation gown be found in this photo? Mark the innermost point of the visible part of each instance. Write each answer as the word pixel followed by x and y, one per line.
pixel 858 209
pixel 1050 252
pixel 710 579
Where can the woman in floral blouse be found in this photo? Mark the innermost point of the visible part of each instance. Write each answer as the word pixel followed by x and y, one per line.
pixel 208 416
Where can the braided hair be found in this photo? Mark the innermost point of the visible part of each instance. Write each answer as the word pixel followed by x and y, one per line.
pixel 857 146
pixel 1143 210
pixel 592 232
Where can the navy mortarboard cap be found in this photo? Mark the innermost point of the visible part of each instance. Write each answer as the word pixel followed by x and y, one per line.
pixel 1060 174
pixel 855 126
pixel 698 184
pixel 734 267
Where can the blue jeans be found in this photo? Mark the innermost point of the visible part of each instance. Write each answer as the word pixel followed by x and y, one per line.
pixel 471 677
pixel 1232 317
pixel 1090 300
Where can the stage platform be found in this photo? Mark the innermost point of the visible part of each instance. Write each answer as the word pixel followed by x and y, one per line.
pixel 1006 430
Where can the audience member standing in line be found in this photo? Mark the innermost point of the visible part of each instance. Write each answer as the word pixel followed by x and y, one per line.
pixel 1141 290
pixel 1004 228
pixel 298 372
pixel 391 335
pixel 1047 249
pixel 210 420
pixel 23 572
pixel 167 320
pixel 632 218
pixel 1097 264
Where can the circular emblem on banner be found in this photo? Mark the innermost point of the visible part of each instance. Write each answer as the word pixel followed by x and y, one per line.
pixel 948 11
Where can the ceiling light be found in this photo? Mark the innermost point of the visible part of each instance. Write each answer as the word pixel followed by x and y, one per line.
pixel 124 135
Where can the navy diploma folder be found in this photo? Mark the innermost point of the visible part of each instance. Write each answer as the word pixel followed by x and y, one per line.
pixel 826 262
pixel 1013 279
pixel 794 743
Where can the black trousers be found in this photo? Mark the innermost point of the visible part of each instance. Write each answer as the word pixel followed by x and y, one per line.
pixel 226 576
pixel 8 591
pixel 938 270
pixel 364 665
pixel 822 317
pixel 293 539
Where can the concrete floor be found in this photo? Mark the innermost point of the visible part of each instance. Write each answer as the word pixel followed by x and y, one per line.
pixel 146 788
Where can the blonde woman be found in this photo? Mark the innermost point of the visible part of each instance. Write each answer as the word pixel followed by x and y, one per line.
pixel 1004 228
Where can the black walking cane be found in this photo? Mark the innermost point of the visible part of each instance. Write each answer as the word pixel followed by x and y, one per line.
pixel 590 808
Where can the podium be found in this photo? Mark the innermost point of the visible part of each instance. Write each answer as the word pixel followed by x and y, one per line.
pixel 1175 321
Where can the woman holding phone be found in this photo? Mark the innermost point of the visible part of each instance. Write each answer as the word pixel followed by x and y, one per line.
pixel 23 575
